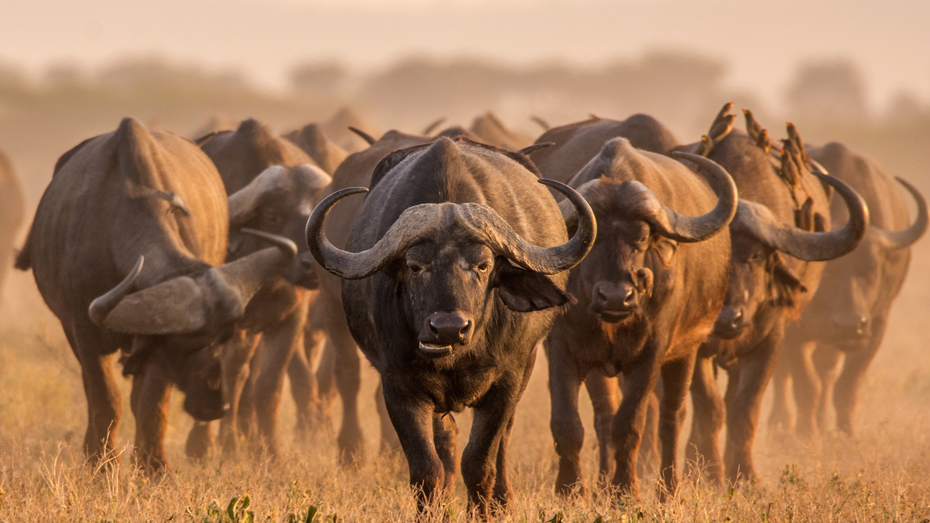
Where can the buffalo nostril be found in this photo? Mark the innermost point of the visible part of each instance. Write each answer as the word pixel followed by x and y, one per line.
pixel 630 299
pixel 465 331
pixel 737 320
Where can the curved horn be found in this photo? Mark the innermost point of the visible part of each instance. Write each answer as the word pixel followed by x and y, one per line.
pixel 549 260
pixel 422 220
pixel 689 229
pixel 244 202
pixel 530 149
pixel 891 240
pixel 365 136
pixel 248 274
pixel 758 221
pixel 304 179
pixel 432 127
pixel 102 305
pixel 184 304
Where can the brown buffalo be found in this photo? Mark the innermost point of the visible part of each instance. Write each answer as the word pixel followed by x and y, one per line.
pixel 573 146
pixel 648 295
pixel 576 144
pixel 491 130
pixel 127 249
pixel 778 249
pixel 337 128
pixel 324 152
pixel 274 186
pixel 847 318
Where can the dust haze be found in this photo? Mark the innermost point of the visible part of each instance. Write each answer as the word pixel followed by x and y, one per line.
pixel 857 72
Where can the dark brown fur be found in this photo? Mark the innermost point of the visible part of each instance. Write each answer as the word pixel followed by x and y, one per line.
pixel 86 236
pixel 675 313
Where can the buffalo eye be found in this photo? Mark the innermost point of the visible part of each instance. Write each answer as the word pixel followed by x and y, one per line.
pixel 414 268
pixel 483 267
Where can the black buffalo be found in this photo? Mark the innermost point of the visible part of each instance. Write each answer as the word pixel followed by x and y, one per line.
pixel 453 275
pixel 847 318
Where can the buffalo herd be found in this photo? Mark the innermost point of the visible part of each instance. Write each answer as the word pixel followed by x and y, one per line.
pixel 641 266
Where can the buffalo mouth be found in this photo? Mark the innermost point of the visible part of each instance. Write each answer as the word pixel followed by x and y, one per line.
pixel 201 412
pixel 614 316
pixel 434 351
pixel 727 332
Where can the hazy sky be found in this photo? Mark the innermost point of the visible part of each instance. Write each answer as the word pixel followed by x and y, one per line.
pixel 761 42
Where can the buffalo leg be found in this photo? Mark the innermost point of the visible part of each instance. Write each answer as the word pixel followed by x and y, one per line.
pixel 414 421
pixel 199 440
pixel 347 374
pixel 826 363
pixel 281 341
pixel 744 401
pixel 503 492
pixel 237 355
pixel 303 390
pixel 389 442
pixel 780 417
pixel 104 400
pixel 480 459
pixel 676 379
pixel 445 439
pixel 245 419
pixel 807 390
pixel 605 398
pixel 709 416
pixel 630 422
pixel 846 391
pixel 565 421
pixel 151 395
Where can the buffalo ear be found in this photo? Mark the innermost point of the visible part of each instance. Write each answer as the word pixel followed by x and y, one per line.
pixel 787 285
pixel 528 291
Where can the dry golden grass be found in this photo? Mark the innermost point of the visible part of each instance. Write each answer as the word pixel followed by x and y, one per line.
pixel 881 475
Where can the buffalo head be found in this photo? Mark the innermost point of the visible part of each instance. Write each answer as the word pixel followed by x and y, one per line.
pixel 635 225
pixel 761 284
pixel 856 280
pixel 449 259
pixel 277 201
pixel 178 323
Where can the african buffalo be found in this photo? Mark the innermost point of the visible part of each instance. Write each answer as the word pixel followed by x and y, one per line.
pixel 454 272
pixel 274 185
pixel 648 294
pixel 337 128
pixel 12 211
pixel 577 143
pixel 778 241
pixel 846 319
pixel 572 147
pixel 127 249
pixel 324 152
pixel 491 130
